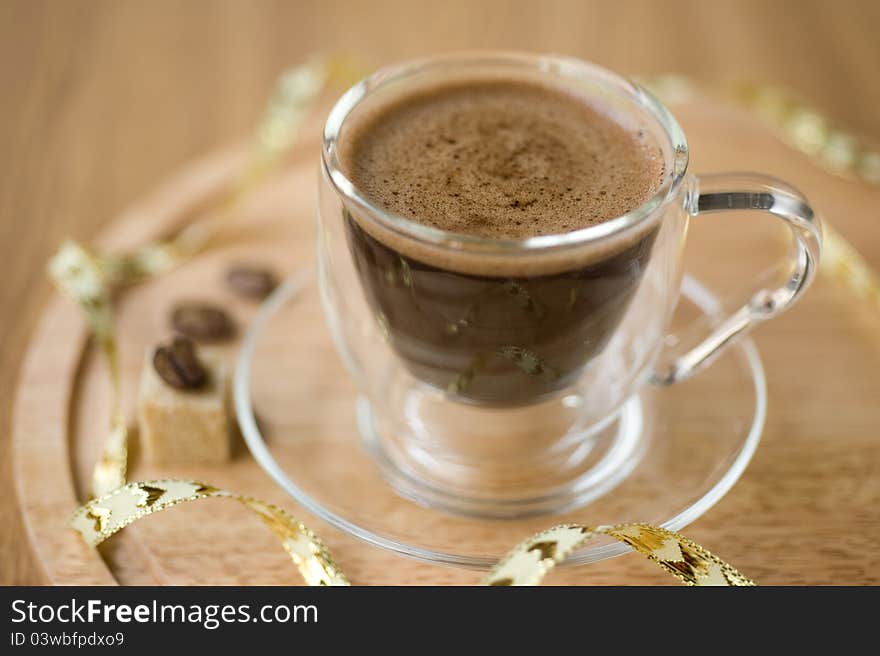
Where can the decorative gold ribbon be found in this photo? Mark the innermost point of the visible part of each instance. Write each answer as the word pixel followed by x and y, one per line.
pixel 276 133
pixel 532 559
pixel 808 130
pixel 100 518
pixel 80 276
pixel 90 280
pixel 838 151
pixel 527 564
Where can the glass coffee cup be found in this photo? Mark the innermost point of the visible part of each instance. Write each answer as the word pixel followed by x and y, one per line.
pixel 487 366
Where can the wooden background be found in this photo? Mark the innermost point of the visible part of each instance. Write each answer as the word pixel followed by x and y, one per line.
pixel 101 100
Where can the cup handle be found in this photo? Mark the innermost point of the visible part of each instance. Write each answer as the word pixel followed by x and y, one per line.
pixel 747 191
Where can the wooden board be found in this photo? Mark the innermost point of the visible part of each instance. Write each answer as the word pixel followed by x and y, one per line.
pixel 63 397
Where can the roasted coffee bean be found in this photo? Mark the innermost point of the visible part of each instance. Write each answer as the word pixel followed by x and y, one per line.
pixel 251 281
pixel 179 366
pixel 202 321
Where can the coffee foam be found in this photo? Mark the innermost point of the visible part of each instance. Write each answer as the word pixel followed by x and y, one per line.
pixel 499 159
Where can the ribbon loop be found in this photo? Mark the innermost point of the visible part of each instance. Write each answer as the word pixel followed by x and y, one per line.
pixel 531 560
pixel 100 518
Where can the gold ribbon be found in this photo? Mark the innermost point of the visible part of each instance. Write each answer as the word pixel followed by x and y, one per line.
pixel 100 518
pixel 808 130
pixel 532 559
pixel 838 151
pixel 527 564
pixel 276 133
pixel 80 276
pixel 90 280
pixel 843 263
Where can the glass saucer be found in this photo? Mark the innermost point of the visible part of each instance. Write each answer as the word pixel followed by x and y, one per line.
pixel 299 413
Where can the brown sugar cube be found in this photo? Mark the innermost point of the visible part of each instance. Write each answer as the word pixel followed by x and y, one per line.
pixel 185 426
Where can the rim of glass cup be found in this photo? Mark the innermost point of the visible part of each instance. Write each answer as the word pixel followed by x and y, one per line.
pixel 562 66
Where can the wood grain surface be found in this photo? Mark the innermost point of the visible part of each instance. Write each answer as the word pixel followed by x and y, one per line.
pixel 103 99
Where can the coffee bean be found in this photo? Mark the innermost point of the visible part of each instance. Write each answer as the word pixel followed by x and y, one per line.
pixel 251 281
pixel 179 366
pixel 202 321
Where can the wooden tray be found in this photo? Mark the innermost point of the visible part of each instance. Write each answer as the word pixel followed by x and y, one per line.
pixel 808 483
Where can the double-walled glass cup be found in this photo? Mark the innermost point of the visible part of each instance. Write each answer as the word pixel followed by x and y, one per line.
pixel 488 366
